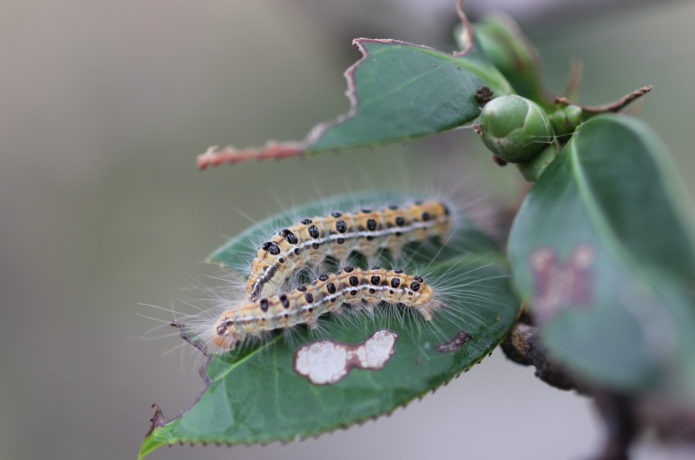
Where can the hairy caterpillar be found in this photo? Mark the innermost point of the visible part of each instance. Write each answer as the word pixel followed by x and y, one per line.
pixel 337 235
pixel 304 305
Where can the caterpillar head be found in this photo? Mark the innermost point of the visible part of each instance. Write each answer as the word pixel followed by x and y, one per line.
pixel 424 292
pixel 223 334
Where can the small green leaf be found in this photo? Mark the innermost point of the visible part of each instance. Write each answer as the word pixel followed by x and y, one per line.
pixel 397 91
pixel 256 396
pixel 602 249
pixel 512 53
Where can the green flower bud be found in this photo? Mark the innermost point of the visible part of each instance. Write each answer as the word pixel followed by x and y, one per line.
pixel 515 128
pixel 532 169
pixel 566 120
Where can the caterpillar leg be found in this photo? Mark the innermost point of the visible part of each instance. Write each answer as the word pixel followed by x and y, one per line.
pixel 425 312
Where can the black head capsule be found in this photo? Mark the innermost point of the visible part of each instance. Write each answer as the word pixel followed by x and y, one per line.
pixel 371 225
pixel 263 303
pixel 395 282
pixel 353 280
pixel 284 301
pixel 341 226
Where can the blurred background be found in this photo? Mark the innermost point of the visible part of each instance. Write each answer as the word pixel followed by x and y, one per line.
pixel 103 106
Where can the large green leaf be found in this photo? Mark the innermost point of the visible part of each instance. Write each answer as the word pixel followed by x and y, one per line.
pixel 255 395
pixel 397 91
pixel 602 249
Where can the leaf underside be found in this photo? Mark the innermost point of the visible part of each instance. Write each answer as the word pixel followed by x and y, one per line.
pixel 255 396
pixel 602 249
pixel 397 91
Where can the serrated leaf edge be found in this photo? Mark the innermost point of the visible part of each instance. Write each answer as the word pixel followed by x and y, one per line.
pixel 319 432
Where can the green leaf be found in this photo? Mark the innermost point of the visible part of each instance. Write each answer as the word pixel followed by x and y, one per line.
pixel 397 91
pixel 514 55
pixel 256 396
pixel 602 249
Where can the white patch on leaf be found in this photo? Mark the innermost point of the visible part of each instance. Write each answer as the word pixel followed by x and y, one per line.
pixel 326 362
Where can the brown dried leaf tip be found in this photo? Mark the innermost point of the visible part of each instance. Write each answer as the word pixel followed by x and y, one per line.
pixel 615 106
pixel 157 419
pixel 483 95
pixel 459 340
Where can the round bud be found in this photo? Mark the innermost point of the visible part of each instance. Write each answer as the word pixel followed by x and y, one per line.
pixel 515 128
pixel 566 120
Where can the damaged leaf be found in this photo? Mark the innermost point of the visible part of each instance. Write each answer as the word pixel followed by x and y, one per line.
pixel 325 362
pixel 397 91
pixel 602 250
pixel 265 393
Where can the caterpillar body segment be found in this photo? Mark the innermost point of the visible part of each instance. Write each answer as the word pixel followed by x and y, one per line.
pixel 337 235
pixel 365 288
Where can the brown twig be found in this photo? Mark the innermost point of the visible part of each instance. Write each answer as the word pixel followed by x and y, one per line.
pixel 611 107
pixel 523 346
pixel 618 415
